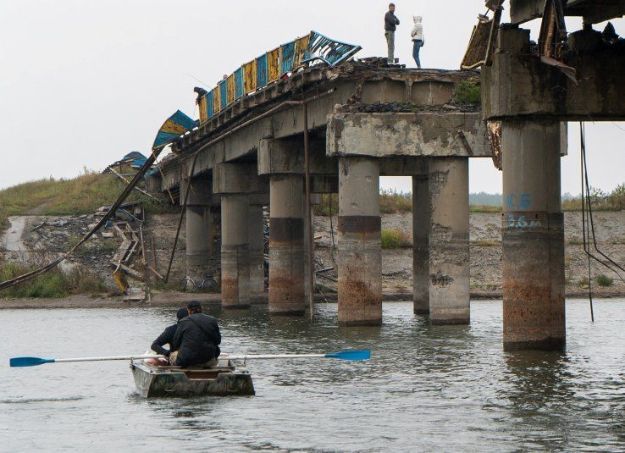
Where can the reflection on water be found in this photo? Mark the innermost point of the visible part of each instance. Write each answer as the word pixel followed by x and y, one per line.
pixel 427 387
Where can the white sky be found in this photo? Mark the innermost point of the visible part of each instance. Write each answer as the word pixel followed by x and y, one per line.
pixel 83 82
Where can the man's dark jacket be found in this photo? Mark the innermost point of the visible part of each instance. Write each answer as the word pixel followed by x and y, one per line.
pixel 167 337
pixel 197 340
pixel 390 21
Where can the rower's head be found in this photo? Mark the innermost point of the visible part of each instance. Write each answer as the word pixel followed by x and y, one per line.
pixel 194 307
pixel 181 313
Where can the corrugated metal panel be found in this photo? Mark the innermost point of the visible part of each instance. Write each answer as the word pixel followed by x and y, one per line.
pixel 288 54
pixel 273 65
pixel 301 46
pixel 239 87
pixel 328 50
pixel 261 71
pixel 231 89
pixel 223 94
pixel 172 129
pixel 210 105
pixel 249 76
pixel 216 100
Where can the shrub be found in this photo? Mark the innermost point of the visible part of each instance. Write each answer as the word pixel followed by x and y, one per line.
pixel 392 202
pixel 604 281
pixel 53 284
pixel 468 92
pixel 395 239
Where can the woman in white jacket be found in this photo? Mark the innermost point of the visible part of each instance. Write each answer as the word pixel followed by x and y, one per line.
pixel 417 39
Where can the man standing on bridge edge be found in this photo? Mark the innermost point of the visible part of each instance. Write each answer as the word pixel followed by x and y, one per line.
pixel 390 25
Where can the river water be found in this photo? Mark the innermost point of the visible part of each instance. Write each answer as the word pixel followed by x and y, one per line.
pixel 426 388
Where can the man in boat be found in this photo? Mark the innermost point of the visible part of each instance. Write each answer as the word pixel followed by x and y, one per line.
pixel 197 339
pixel 167 338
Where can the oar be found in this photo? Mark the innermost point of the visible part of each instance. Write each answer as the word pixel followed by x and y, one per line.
pixel 352 355
pixel 348 354
pixel 17 362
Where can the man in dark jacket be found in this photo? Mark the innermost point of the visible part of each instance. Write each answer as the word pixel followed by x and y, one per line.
pixel 167 337
pixel 197 339
pixel 390 25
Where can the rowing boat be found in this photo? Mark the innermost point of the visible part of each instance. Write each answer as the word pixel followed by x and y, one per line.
pixel 223 380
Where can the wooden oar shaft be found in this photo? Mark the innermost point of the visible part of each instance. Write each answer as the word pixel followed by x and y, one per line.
pixel 109 359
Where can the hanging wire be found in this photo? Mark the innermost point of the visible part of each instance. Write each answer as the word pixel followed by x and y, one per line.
pixel 613 265
pixel 588 222
pixel 584 229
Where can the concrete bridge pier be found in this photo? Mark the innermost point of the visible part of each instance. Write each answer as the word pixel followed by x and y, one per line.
pixel 235 251
pixel 533 236
pixel 200 235
pixel 421 248
pixel 286 245
pixel 449 241
pixel 237 183
pixel 256 239
pixel 360 253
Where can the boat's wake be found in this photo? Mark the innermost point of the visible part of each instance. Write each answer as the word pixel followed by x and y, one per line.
pixel 40 400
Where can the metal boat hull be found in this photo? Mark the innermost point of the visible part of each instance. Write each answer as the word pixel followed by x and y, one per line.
pixel 153 382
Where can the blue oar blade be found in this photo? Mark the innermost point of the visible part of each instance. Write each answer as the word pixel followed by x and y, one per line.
pixel 17 362
pixel 351 354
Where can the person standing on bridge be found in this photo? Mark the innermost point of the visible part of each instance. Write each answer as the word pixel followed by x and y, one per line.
pixel 418 40
pixel 390 25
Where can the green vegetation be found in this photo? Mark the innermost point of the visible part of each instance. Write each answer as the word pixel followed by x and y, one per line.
pixel 329 205
pixel 468 92
pixel 604 281
pixel 485 209
pixel 601 201
pixel 81 195
pixel 395 239
pixel 393 202
pixel 54 284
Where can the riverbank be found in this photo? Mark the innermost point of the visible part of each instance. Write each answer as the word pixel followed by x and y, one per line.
pixel 178 299
pixel 28 237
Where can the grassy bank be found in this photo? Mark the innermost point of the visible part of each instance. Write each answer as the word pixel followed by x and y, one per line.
pixel 54 284
pixel 81 195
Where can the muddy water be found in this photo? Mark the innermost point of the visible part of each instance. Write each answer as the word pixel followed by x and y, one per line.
pixel 427 388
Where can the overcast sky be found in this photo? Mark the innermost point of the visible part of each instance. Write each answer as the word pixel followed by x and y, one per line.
pixel 83 82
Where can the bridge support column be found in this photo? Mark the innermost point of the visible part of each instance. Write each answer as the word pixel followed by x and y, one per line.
pixel 286 245
pixel 200 236
pixel 533 237
pixel 235 251
pixel 256 232
pixel 421 247
pixel 360 253
pixel 449 241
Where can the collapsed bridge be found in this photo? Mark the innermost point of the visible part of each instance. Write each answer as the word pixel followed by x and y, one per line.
pixel 329 128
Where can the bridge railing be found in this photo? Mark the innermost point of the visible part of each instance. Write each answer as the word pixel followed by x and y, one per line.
pixel 270 67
